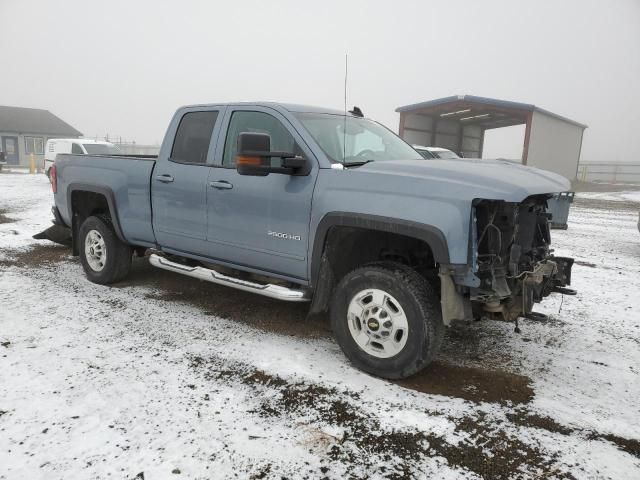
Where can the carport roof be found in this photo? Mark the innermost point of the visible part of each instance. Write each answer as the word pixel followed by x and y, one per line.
pixel 34 120
pixel 482 111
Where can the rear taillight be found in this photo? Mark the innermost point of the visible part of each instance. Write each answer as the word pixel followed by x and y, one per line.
pixel 53 178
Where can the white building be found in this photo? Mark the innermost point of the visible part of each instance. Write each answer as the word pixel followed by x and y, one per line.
pixel 551 142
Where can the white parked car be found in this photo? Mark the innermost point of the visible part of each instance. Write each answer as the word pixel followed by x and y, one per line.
pixel 435 152
pixel 78 146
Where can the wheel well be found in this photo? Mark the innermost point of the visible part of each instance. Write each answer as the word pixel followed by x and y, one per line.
pixel 85 204
pixel 347 248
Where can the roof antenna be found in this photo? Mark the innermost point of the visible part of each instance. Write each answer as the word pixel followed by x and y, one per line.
pixel 344 129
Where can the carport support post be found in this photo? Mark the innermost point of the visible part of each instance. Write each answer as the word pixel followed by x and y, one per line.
pixel 401 129
pixel 434 128
pixel 32 164
pixel 527 135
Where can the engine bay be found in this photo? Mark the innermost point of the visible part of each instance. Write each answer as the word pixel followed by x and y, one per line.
pixel 513 258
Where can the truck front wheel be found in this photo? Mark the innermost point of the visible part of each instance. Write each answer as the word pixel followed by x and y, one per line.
pixel 104 257
pixel 386 318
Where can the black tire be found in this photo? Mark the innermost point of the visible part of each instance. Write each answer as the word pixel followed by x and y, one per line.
pixel 419 303
pixel 118 254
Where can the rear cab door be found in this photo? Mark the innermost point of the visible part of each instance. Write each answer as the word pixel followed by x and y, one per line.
pixel 179 180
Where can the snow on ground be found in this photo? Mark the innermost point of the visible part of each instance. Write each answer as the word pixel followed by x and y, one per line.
pixel 136 380
pixel 29 198
pixel 625 195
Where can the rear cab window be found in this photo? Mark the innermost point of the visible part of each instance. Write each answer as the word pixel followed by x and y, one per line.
pixel 76 149
pixel 193 137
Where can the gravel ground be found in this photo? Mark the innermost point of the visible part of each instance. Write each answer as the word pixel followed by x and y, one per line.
pixel 163 376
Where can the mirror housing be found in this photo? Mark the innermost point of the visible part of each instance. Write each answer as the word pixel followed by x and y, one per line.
pixel 254 157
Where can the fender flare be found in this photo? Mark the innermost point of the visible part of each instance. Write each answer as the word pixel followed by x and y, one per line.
pixel 102 190
pixel 431 235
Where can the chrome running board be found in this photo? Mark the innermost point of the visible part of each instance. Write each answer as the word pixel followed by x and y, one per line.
pixel 201 273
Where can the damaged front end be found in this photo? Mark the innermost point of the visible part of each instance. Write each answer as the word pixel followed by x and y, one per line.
pixel 512 258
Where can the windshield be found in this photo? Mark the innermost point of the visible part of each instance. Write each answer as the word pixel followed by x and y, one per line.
pixel 365 140
pixel 101 149
pixel 445 154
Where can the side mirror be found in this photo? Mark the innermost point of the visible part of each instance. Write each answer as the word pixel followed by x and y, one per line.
pixel 255 157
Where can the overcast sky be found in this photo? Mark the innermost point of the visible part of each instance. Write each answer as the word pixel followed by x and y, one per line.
pixel 123 67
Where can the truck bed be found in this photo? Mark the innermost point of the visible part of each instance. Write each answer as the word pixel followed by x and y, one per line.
pixel 123 177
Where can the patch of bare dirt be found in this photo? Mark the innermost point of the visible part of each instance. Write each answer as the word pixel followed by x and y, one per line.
pixel 509 456
pixel 477 343
pixel 471 383
pixel 628 445
pixel 262 473
pixel 488 449
pixel 523 418
pixel 526 419
pixel 216 300
pixel 4 218
pixel 38 256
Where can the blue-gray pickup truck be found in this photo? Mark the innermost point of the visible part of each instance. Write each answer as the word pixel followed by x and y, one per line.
pixel 308 204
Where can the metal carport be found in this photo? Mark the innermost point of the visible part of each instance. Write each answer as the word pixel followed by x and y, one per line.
pixel 551 141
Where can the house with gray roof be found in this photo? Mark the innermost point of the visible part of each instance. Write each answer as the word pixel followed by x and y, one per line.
pixel 25 131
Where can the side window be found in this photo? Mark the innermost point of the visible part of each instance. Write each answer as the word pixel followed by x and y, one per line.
pixel 34 145
pixel 76 149
pixel 191 144
pixel 256 122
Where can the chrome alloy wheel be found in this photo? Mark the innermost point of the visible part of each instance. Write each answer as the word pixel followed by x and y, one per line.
pixel 95 250
pixel 377 323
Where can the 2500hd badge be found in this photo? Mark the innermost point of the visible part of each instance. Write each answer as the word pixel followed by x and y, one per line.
pixel 284 236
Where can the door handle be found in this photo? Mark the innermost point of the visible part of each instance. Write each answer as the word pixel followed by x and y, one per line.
pixel 221 185
pixel 165 178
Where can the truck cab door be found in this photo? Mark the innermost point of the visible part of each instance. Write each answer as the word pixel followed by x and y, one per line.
pixel 261 222
pixel 179 182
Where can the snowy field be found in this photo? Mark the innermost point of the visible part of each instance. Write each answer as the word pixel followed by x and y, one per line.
pixel 166 377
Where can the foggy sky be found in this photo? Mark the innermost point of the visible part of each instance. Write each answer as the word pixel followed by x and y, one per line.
pixel 123 67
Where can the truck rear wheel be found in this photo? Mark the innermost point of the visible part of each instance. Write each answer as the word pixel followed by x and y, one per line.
pixel 386 318
pixel 105 258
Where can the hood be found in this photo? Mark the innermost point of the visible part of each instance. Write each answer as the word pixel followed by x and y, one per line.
pixel 475 178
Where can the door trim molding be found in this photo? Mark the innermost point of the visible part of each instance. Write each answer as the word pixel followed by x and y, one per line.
pixel 237 266
pixel 258 250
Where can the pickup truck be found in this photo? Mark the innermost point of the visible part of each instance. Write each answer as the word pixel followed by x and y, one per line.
pixel 307 204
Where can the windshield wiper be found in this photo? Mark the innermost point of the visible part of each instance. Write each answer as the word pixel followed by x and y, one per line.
pixel 356 164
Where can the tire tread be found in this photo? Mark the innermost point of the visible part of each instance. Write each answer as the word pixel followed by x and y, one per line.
pixel 117 251
pixel 428 304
